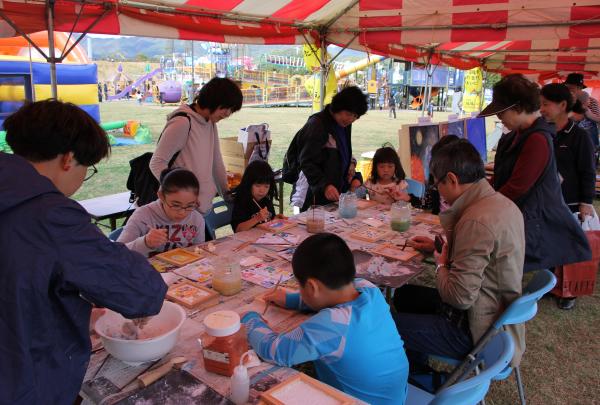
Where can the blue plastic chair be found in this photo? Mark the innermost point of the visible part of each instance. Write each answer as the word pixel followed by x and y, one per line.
pixel 495 357
pixel 114 235
pixel 218 217
pixel 521 310
pixel 416 188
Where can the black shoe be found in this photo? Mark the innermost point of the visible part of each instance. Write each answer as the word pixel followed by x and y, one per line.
pixel 566 303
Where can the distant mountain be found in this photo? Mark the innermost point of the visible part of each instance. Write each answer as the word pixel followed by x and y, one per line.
pixel 140 48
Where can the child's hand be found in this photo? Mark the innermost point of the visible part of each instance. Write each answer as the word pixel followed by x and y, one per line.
pixel 276 297
pixel 156 238
pixel 332 193
pixel 263 215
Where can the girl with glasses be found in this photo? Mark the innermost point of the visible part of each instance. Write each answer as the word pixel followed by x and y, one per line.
pixel 170 222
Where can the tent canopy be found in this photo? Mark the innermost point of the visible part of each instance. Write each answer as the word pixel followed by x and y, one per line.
pixel 528 36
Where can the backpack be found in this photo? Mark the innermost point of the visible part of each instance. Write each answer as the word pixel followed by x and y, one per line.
pixel 141 182
pixel 291 161
pixel 291 165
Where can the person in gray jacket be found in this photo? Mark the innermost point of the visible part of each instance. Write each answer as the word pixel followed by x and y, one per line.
pixel 196 140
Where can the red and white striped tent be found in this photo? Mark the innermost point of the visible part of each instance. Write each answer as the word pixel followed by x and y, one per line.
pixel 546 37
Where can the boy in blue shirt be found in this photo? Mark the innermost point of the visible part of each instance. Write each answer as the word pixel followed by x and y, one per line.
pixel 352 338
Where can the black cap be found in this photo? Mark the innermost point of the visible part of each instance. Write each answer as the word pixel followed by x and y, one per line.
pixel 576 79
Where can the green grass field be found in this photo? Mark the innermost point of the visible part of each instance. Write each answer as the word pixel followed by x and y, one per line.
pixel 561 364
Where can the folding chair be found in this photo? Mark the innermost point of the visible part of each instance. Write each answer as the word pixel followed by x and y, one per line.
pixel 494 357
pixel 416 188
pixel 217 218
pixel 521 310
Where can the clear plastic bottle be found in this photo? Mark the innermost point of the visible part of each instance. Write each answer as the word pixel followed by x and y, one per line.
pixel 240 384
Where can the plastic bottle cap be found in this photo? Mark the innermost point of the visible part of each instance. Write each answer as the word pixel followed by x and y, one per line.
pixel 240 372
pixel 222 323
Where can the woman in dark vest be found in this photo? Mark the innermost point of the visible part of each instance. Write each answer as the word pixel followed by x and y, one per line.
pixel 525 171
pixel 575 156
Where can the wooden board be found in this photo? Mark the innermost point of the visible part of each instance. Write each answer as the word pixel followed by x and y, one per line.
pixel 192 295
pixel 370 234
pixel 404 149
pixel 179 257
pixel 427 218
pixel 277 225
pixel 304 389
pixel 177 387
pixel 394 252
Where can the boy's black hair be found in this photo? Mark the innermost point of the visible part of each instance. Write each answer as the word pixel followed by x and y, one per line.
pixel 220 92
pixel 558 92
pixel 43 130
pixel 459 157
pixel 445 140
pixel 350 99
pixel 257 172
pixel 387 154
pixel 324 257
pixel 173 180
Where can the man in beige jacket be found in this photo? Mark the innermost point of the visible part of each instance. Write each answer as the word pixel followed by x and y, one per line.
pixel 479 269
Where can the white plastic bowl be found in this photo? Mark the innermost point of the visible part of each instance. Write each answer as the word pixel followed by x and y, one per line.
pixel 162 331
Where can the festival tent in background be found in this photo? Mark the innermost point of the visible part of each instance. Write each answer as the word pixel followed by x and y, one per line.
pixel 547 38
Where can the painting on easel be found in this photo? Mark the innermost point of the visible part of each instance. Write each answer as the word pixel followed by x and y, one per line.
pixel 422 139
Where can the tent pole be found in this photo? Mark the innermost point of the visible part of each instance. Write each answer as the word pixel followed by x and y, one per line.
pixel 425 90
pixel 324 68
pixel 51 50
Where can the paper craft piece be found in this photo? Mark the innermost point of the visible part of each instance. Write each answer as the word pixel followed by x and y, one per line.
pixel 160 266
pixel 364 204
pixel 375 223
pixel 370 235
pixel 378 266
pixel 267 274
pixel 288 253
pixel 394 252
pixel 179 257
pixel 301 390
pixel 192 295
pixel 200 271
pixel 281 238
pixel 250 261
pixel 428 218
pixel 277 225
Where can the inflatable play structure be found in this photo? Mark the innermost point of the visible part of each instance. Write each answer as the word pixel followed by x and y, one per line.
pixel 22 78
pixel 125 85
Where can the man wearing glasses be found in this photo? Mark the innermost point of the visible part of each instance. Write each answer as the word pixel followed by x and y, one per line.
pixel 55 264
pixel 479 269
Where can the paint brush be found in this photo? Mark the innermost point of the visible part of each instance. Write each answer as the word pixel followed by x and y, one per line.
pixel 257 204
pixel 274 291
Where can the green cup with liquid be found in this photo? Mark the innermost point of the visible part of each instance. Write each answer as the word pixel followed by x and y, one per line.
pixel 400 216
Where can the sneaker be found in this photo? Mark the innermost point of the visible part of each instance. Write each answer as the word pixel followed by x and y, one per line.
pixel 566 303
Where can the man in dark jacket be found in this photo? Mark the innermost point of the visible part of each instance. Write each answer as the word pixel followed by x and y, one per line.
pixel 323 150
pixel 55 263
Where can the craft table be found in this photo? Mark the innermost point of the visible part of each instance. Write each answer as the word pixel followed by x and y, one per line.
pixel 111 207
pixel 110 381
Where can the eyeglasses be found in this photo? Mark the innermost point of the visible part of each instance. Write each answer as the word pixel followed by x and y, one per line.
pixel 91 171
pixel 177 207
